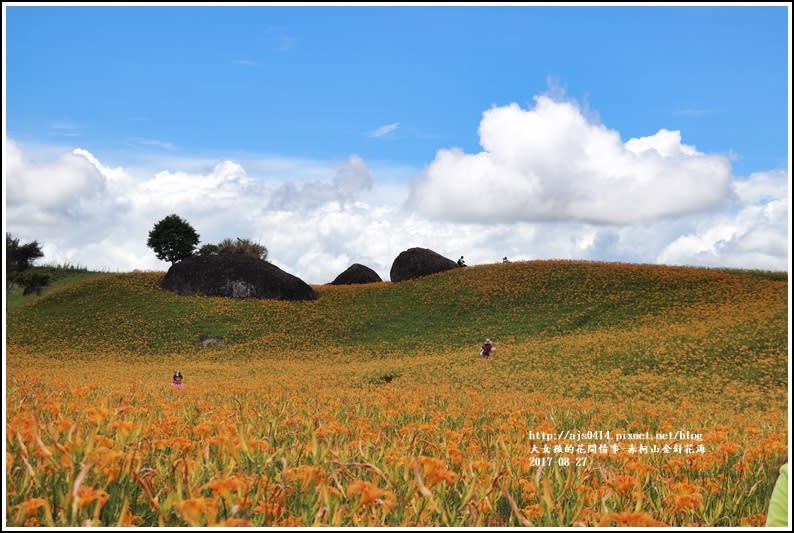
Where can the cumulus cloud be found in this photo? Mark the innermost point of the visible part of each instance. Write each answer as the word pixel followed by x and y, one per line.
pixel 762 187
pixel 351 178
pixel 220 188
pixel 88 213
pixel 50 185
pixel 551 163
pixel 319 217
pixel 755 237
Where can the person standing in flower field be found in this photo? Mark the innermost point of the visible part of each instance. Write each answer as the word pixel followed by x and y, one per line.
pixel 487 348
pixel 177 380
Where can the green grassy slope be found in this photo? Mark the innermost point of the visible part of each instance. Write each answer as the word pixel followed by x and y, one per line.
pixel 60 277
pixel 512 303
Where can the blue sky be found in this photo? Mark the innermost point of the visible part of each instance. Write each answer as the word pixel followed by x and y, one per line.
pixel 181 89
pixel 315 81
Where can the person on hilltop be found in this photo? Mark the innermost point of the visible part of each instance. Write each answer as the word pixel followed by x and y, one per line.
pixel 487 348
pixel 461 263
pixel 176 382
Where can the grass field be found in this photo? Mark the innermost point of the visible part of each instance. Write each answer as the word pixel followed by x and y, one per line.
pixel 370 406
pixel 60 276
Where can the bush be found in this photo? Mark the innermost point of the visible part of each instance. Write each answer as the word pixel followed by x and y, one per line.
pixel 33 282
pixel 208 249
pixel 243 247
pixel 66 266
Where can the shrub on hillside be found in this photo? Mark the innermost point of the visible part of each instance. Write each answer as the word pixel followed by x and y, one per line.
pixel 208 249
pixel 243 247
pixel 33 282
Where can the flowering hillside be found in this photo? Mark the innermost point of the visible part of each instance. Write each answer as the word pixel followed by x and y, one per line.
pixel 618 395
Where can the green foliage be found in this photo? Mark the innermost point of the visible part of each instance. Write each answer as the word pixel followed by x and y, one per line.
pixel 242 247
pixel 173 239
pixel 59 276
pixel 32 282
pixel 19 257
pixel 63 269
pixel 208 249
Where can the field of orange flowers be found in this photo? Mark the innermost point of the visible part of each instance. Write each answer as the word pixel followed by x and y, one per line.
pixel 618 395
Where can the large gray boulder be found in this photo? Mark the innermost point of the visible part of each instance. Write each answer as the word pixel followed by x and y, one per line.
pixel 236 276
pixel 417 262
pixel 356 273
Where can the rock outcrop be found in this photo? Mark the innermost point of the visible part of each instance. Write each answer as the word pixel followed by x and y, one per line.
pixel 418 262
pixel 236 276
pixel 356 273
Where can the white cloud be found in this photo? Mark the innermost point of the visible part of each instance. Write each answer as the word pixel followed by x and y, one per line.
pixel 318 217
pixel 381 131
pixel 762 187
pixel 755 237
pixel 351 178
pixel 98 216
pixel 551 163
pixel 246 62
pixel 50 185
pixel 220 188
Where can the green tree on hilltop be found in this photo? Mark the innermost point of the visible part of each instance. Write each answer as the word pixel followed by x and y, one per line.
pixel 173 239
pixel 20 257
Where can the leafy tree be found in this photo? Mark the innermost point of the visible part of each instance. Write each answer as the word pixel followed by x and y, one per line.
pixel 243 247
pixel 19 257
pixel 172 239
